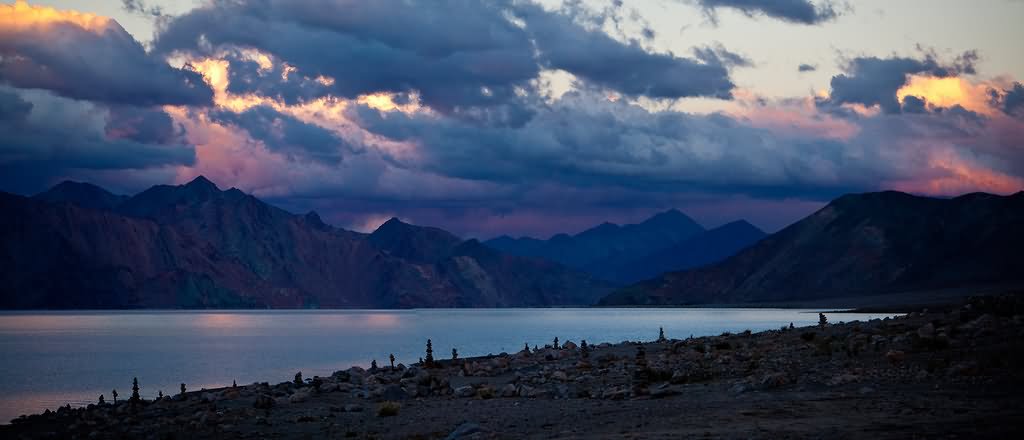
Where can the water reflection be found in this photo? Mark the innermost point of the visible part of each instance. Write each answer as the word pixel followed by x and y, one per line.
pixel 53 358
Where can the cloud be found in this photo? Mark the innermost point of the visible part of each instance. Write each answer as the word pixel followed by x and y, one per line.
pixel 44 137
pixel 585 140
pixel 84 56
pixel 477 60
pixel 718 55
pixel 793 11
pixel 595 57
pixel 806 68
pixel 1010 101
pixel 871 81
pixel 285 134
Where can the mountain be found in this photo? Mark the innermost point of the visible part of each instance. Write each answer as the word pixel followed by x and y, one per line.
pixel 860 244
pixel 82 194
pixel 195 246
pixel 708 247
pixel 605 241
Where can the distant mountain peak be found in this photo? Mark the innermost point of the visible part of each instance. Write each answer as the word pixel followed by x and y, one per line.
pixel 671 216
pixel 392 223
pixel 201 182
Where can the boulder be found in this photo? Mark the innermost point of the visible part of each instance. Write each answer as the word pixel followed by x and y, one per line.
pixel 569 345
pixel 465 391
pixel 263 401
pixel 509 390
pixel 299 397
pixel 464 430
pixel 895 356
pixel 926 331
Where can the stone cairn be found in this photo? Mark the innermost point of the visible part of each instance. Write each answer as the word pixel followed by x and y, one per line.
pixel 429 361
pixel 136 398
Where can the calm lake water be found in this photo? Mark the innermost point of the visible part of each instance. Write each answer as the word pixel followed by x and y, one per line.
pixel 54 358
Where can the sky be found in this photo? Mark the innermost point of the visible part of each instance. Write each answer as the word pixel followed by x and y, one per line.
pixel 519 117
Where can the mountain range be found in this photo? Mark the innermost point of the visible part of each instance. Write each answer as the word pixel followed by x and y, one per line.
pixel 860 244
pixel 196 246
pixel 629 253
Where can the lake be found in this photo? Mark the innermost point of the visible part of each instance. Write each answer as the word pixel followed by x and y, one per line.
pixel 55 358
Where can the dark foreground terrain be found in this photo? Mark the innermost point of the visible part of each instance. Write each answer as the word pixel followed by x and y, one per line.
pixel 951 373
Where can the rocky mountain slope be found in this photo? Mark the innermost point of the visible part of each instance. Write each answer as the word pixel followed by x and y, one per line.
pixel 195 246
pixel 860 244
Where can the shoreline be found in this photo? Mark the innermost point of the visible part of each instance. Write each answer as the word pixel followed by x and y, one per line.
pixel 965 359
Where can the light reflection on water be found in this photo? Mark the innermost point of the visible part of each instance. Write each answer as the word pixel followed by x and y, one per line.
pixel 53 358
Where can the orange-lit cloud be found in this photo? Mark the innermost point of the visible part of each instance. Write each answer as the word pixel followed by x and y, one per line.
pixel 948 92
pixel 947 174
pixel 21 16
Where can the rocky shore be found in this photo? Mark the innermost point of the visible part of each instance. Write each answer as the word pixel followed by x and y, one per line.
pixel 956 372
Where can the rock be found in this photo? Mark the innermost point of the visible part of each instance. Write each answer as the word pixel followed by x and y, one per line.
pixel 353 407
pixel 299 397
pixel 329 388
pixel 615 393
pixel 926 331
pixel 393 392
pixel 739 388
pixel 774 380
pixel 569 345
pixel 842 379
pixel 263 401
pixel 895 356
pixel 465 391
pixel 559 375
pixel 866 390
pixel 663 390
pixel 464 430
pixel 967 368
pixel 509 391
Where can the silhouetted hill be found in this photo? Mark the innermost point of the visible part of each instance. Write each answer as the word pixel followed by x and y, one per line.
pixel 626 254
pixel 605 241
pixel 82 194
pixel 860 244
pixel 705 248
pixel 196 246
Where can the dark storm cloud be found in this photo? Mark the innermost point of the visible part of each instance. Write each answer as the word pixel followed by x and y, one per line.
pixel 247 76
pixel 718 55
pixel 794 11
pixel 285 134
pixel 913 104
pixel 806 68
pixel 146 125
pixel 586 141
pixel 460 56
pixel 1010 101
pixel 104 63
pixel 43 136
pixel 625 67
pixel 874 81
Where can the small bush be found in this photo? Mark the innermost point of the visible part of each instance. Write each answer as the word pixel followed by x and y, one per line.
pixel 807 336
pixel 486 393
pixel 388 409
